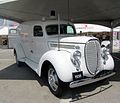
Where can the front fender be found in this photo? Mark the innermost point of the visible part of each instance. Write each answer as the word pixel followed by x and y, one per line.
pixel 109 64
pixel 61 62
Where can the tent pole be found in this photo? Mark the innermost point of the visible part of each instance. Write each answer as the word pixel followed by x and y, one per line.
pixel 111 40
pixel 58 32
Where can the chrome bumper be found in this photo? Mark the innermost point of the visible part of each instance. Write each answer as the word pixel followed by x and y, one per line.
pixel 88 81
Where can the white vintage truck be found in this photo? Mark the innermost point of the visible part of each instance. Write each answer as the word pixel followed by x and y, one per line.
pixel 54 51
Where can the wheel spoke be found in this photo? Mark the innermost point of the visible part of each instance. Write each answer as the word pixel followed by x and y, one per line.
pixel 52 79
pixel 55 86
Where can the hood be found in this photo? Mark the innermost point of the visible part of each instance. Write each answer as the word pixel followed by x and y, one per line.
pixel 75 39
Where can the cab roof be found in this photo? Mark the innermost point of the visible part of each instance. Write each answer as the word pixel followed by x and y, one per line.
pixel 46 22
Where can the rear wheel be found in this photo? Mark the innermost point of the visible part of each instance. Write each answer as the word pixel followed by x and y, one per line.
pixel 17 61
pixel 54 82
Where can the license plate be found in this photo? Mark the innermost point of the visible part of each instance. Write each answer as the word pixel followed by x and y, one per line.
pixel 77 75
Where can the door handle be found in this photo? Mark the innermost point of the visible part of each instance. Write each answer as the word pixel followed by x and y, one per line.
pixel 31 51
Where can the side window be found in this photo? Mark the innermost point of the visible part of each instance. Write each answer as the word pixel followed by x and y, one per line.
pixel 52 29
pixel 37 32
pixel 70 30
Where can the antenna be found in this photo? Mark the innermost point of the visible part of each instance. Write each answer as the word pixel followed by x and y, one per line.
pixel 58 32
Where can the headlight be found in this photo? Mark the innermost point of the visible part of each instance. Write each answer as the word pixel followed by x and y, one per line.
pixel 75 58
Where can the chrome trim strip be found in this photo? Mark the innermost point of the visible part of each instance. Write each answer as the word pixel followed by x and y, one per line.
pixel 88 81
pixel 62 46
pixel 66 42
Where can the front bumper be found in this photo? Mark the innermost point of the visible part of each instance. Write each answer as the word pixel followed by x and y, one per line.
pixel 86 81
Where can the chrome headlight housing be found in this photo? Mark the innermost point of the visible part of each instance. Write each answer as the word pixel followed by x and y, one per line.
pixel 75 58
pixel 77 55
pixel 105 53
pixel 105 45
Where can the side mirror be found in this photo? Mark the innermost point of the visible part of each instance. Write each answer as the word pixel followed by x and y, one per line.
pixel 12 31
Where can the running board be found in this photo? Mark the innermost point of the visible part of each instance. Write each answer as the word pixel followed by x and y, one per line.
pixel 32 64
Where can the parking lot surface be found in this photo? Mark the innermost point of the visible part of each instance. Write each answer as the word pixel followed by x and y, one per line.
pixel 22 85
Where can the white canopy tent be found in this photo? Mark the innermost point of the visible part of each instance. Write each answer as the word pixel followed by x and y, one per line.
pixel 103 12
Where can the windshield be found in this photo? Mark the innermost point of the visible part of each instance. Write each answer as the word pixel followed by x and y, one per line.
pixel 64 29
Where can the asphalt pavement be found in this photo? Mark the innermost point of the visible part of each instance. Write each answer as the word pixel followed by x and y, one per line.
pixel 23 85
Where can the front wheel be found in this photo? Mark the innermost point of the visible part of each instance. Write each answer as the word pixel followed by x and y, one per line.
pixel 54 82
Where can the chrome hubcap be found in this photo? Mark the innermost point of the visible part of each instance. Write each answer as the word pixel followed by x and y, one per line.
pixel 52 79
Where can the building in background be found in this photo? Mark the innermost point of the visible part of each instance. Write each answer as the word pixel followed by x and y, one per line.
pixel 101 32
pixel 91 28
pixel 116 39
pixel 5 25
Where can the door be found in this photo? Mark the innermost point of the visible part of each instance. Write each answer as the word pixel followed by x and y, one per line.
pixel 26 39
pixel 38 44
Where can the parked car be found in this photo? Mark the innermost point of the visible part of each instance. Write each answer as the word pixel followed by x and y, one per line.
pixel 54 51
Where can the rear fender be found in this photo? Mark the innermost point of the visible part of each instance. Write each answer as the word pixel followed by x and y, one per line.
pixel 19 52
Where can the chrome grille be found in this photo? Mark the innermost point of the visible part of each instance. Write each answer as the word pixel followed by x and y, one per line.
pixel 92 56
